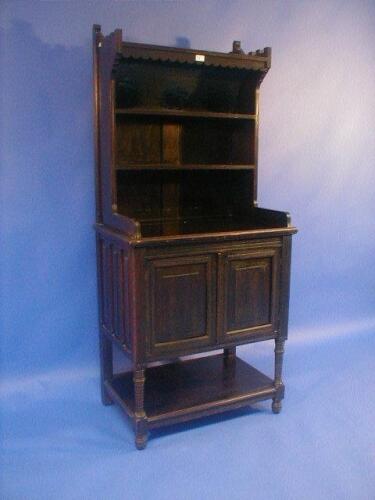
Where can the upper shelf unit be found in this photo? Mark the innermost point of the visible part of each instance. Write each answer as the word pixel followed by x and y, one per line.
pixel 187 83
pixel 182 121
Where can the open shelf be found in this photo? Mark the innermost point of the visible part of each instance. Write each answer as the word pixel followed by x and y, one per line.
pixel 161 140
pixel 156 84
pixel 184 113
pixel 190 388
pixel 182 194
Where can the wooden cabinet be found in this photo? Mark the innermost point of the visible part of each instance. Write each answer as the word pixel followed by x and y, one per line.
pixel 187 261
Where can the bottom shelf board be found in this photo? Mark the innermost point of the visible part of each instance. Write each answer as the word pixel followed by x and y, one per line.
pixel 189 389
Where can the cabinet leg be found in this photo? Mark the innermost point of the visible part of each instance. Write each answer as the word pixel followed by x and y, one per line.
pixel 141 430
pixel 279 355
pixel 276 406
pixel 229 352
pixel 106 367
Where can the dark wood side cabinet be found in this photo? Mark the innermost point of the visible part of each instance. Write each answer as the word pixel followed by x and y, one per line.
pixel 187 261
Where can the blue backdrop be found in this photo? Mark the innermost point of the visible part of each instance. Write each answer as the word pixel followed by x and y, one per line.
pixel 317 160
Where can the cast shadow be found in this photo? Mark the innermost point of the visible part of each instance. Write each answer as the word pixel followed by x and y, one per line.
pixel 206 421
pixel 48 196
pixel 182 42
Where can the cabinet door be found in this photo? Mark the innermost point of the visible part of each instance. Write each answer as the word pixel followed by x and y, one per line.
pixel 182 303
pixel 248 294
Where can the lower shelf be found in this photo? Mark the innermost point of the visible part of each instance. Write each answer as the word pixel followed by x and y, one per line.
pixel 194 388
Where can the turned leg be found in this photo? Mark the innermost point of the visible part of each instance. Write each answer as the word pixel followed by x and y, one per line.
pixel 106 367
pixel 140 415
pixel 279 354
pixel 229 352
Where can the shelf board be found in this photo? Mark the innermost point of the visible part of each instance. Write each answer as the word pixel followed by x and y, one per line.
pixel 198 225
pixel 183 113
pixel 192 389
pixel 182 166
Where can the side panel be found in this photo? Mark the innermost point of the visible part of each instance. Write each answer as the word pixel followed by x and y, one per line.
pixel 285 287
pixel 114 290
pixel 104 55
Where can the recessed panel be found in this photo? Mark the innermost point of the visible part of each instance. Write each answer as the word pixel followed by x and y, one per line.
pixel 249 297
pixel 181 299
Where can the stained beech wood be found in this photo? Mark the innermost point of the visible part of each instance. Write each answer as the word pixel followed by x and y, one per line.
pixel 187 263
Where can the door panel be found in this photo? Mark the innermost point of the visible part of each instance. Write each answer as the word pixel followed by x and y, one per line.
pixel 248 293
pixel 182 303
pixel 249 302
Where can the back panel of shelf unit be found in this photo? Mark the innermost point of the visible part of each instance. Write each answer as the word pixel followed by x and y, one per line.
pixel 182 144
pixel 152 84
pixel 145 140
pixel 152 195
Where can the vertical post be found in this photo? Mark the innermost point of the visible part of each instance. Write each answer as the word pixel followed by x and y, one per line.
pixel 279 355
pixel 106 359
pixel 282 333
pixel 140 415
pixel 229 353
pixel 256 145
pixel 96 41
